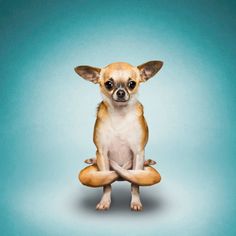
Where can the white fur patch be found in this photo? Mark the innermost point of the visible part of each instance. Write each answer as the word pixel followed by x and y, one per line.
pixel 120 134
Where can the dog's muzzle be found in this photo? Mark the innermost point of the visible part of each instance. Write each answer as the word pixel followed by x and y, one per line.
pixel 120 95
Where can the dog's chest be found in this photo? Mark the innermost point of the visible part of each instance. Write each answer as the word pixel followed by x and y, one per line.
pixel 121 134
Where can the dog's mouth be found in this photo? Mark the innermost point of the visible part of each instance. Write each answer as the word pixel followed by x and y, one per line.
pixel 121 100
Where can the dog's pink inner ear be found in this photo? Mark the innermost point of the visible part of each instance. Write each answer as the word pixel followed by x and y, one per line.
pixel 89 73
pixel 149 69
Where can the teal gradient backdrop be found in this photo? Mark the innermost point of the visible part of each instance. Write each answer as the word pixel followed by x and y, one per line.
pixel 47 114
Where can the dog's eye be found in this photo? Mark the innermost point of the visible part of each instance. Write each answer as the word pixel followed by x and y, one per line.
pixel 109 85
pixel 131 84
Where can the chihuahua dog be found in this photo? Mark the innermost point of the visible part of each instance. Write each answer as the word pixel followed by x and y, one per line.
pixel 120 132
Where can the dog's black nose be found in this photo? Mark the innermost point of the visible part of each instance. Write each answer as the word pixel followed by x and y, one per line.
pixel 120 93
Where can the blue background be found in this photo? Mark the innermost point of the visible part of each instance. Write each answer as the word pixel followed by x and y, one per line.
pixel 47 115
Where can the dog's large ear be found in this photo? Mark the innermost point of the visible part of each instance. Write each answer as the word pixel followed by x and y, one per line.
pixel 89 73
pixel 149 69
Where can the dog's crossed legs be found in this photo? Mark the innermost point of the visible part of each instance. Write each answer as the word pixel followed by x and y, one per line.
pixel 91 176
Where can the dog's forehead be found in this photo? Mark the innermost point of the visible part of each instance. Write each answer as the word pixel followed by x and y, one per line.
pixel 121 74
pixel 120 70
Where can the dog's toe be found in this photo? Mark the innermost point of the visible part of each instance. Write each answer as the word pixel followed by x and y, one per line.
pixel 103 205
pixel 136 206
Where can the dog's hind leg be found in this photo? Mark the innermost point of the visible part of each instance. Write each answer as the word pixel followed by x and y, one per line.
pixel 146 177
pixel 92 177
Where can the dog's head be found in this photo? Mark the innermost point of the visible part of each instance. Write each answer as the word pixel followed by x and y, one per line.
pixel 119 81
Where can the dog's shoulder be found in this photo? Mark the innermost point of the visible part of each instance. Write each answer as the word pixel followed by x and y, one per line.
pixel 101 110
pixel 139 109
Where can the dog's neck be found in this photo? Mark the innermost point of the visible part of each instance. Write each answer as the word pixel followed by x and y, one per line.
pixel 120 108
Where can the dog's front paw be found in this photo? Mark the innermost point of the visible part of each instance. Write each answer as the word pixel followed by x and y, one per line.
pixel 136 206
pixel 103 205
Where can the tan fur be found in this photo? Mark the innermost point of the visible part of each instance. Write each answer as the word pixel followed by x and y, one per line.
pixel 144 139
pixel 120 131
pixel 115 70
pixel 101 116
pixel 92 177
